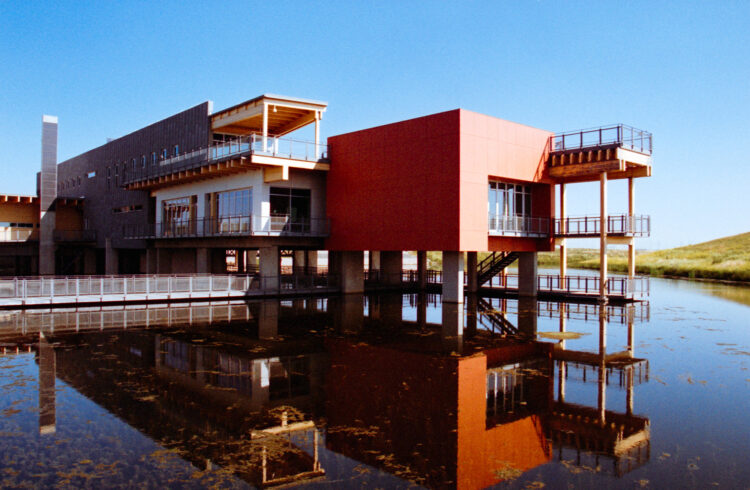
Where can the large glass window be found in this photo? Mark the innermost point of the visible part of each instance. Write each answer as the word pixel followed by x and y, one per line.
pixel 290 209
pixel 233 210
pixel 178 216
pixel 509 207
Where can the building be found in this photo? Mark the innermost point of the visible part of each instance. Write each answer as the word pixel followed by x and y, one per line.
pixel 233 191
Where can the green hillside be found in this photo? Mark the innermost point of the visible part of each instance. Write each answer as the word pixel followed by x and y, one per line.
pixel 725 258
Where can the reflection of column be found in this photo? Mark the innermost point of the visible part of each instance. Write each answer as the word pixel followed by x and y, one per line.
pixel 527 316
pixel 200 370
pixel 631 338
pixel 471 314
pixel 47 368
pixel 268 320
pixel 563 366
pixel 348 312
pixel 452 328
pixel 629 380
pixel 602 365
pixel 261 382
pixel 391 306
pixel 422 310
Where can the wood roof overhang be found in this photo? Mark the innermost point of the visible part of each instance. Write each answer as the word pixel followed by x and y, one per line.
pixel 284 115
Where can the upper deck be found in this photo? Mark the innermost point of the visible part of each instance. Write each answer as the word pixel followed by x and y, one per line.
pixel 580 156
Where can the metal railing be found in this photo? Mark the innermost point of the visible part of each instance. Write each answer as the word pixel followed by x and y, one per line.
pixel 274 225
pixel 618 224
pixel 13 234
pixel 74 235
pixel 528 226
pixel 615 135
pixel 589 285
pixel 189 285
pixel 243 145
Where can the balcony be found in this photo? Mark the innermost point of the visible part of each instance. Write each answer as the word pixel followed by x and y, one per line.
pixel 518 226
pixel 18 234
pixel 228 156
pixel 234 226
pixel 621 225
pixel 74 236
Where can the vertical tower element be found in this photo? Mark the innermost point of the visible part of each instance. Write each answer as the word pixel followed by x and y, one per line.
pixel 47 395
pixel 47 196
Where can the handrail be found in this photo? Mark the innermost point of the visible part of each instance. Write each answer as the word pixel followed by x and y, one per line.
pixel 614 135
pixel 248 144
pixel 537 226
pixel 617 224
pixel 239 225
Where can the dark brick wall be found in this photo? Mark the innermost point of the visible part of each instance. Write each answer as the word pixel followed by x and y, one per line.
pixel 189 129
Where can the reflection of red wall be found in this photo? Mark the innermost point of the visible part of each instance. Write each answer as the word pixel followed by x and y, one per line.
pixel 429 412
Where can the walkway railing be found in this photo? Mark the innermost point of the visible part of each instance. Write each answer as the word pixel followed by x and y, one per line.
pixel 13 234
pixel 42 290
pixel 530 226
pixel 616 135
pixel 274 225
pixel 618 224
pixel 586 285
pixel 241 146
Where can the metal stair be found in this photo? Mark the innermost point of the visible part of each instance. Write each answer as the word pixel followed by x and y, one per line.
pixel 496 318
pixel 493 264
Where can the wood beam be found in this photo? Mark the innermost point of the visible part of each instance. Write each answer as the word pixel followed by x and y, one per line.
pixel 594 169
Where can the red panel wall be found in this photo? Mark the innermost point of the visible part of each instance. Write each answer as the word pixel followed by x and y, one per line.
pixel 421 184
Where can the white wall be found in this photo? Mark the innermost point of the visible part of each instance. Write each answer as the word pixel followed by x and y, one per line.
pixel 303 179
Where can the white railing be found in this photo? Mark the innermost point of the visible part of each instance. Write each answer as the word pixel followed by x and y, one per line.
pixel 13 234
pixel 273 225
pixel 527 226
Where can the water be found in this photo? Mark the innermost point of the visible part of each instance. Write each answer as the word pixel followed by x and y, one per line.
pixel 379 391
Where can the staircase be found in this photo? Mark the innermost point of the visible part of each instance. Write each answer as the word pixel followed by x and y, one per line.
pixel 496 318
pixel 493 264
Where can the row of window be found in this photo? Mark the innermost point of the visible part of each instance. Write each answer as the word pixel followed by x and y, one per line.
pixel 5 224
pixel 127 209
pixel 506 200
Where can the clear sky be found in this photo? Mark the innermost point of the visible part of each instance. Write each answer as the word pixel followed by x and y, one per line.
pixel 678 69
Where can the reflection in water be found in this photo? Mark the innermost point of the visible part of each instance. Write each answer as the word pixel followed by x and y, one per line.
pixel 271 391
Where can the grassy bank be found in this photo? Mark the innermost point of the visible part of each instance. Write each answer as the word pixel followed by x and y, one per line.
pixel 725 259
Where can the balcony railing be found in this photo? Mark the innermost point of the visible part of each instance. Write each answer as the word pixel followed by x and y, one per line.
pixel 241 146
pixel 588 285
pixel 13 234
pixel 524 226
pixel 619 224
pixel 74 235
pixel 616 135
pixel 249 225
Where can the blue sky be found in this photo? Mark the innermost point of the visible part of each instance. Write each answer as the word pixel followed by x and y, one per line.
pixel 678 69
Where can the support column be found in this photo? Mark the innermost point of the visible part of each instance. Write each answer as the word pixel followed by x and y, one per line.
pixel 563 231
pixel 603 237
pixel 239 258
pixel 527 274
pixel 453 277
pixel 298 261
pixel 110 258
pixel 631 219
pixel 349 267
pixel 89 262
pixel 311 262
pixel 252 265
pixel 269 267
pixel 202 260
pixel 471 271
pixel 391 266
pixel 163 261
pixel 422 269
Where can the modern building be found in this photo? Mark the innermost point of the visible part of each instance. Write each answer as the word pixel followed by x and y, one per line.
pixel 233 191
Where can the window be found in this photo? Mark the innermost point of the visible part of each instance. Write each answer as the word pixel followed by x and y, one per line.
pixel 91 175
pixel 233 211
pixel 153 158
pixel 290 210
pixel 178 216
pixel 143 161
pixel 509 208
pixel 176 150
pixel 164 154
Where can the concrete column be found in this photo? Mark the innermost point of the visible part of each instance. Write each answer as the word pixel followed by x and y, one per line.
pixel 453 277
pixel 311 262
pixel 89 262
pixel 269 267
pixel 298 261
pixel 422 269
pixel 252 263
pixel 110 258
pixel 349 267
pixel 202 262
pixel 268 320
pixel 47 395
pixel 471 270
pixel 527 274
pixel 219 261
pixel 603 237
pixel 391 266
pixel 239 258
pixel 47 196
pixel 373 259
pixel 163 261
